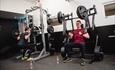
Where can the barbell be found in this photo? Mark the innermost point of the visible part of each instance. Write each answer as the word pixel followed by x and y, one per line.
pixel 81 11
pixel 50 29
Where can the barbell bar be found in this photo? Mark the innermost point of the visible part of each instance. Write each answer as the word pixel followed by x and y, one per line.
pixel 82 13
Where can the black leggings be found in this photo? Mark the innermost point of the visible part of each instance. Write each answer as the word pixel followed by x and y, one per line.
pixel 29 51
pixel 69 46
pixel 25 48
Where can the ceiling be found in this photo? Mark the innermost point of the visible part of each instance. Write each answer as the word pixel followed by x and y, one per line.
pixel 9 15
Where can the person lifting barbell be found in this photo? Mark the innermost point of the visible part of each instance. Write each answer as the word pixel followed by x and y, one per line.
pixel 23 43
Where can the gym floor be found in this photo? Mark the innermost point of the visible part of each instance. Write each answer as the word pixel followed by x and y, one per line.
pixel 50 63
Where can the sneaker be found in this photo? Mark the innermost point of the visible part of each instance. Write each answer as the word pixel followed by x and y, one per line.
pixel 82 59
pixel 64 58
pixel 24 58
pixel 67 60
pixel 82 63
pixel 29 59
pixel 19 57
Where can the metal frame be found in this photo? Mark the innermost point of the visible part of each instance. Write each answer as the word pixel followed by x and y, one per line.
pixel 42 53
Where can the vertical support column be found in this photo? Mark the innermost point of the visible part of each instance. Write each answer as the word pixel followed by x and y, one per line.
pixel 72 21
pixel 42 29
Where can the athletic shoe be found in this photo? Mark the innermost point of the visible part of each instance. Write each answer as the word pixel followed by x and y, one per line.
pixel 64 58
pixel 19 57
pixel 29 59
pixel 67 60
pixel 24 58
pixel 82 62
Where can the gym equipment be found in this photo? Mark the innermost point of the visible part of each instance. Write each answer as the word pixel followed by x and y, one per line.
pixel 32 9
pixel 50 29
pixel 49 21
pixel 52 20
pixel 62 17
pixel 35 31
pixel 42 53
pixel 98 53
pixel 82 13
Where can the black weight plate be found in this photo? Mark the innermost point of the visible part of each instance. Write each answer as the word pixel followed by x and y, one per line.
pixel 82 12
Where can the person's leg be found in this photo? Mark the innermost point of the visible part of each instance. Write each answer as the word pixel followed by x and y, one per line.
pixel 24 53
pixel 20 52
pixel 29 53
pixel 82 50
pixel 30 48
pixel 68 48
pixel 64 51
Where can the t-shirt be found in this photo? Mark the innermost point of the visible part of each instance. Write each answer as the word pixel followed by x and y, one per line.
pixel 77 37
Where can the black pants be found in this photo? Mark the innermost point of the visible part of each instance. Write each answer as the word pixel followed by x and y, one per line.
pixel 23 45
pixel 69 46
pixel 26 49
pixel 29 49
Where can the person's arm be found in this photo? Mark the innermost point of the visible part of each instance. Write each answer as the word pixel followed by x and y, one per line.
pixel 70 35
pixel 18 37
pixel 86 35
pixel 27 36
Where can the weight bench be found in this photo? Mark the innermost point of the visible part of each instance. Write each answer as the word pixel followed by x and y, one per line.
pixel 73 52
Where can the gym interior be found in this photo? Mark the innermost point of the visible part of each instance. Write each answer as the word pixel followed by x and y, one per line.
pixel 50 22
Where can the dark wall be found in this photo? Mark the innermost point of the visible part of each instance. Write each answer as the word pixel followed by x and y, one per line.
pixel 107 43
pixel 7 26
